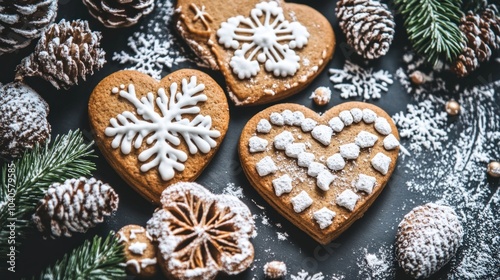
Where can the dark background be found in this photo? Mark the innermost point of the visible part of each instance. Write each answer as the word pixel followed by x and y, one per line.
pixel 68 110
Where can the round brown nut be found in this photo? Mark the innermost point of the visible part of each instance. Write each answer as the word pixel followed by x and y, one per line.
pixel 494 169
pixel 275 270
pixel 321 96
pixel 452 107
pixel 417 78
pixel 139 251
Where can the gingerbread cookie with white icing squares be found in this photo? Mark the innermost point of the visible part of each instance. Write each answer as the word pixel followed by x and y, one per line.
pixel 139 251
pixel 320 172
pixel 266 50
pixel 156 133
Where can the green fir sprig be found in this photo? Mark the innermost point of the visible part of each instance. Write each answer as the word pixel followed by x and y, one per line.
pixel 432 27
pixel 96 259
pixel 24 181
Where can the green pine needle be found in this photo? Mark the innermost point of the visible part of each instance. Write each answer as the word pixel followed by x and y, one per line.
pixel 92 260
pixel 432 27
pixel 29 176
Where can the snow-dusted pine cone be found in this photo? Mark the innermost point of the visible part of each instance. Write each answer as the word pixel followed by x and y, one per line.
pixel 427 238
pixel 275 270
pixel 66 52
pixel 119 13
pixel 23 20
pixel 482 34
pixel 368 26
pixel 23 119
pixel 74 206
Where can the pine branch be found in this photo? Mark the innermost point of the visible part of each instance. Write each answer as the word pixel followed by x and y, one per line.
pixel 432 27
pixel 92 260
pixel 24 181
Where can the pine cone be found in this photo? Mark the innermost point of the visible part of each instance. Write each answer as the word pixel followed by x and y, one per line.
pixel 23 119
pixel 74 206
pixel 22 21
pixel 368 26
pixel 66 51
pixel 119 13
pixel 482 36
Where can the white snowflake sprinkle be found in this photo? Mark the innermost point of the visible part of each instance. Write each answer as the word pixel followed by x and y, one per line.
pixel 363 82
pixel 303 275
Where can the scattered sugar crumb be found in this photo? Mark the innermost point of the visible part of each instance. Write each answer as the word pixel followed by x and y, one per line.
pixel 282 235
pixel 232 189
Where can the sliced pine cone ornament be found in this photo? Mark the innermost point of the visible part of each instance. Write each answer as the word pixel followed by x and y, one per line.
pixel 74 206
pixel 23 119
pixel 368 26
pixel 119 13
pixel 482 34
pixel 66 52
pixel 23 20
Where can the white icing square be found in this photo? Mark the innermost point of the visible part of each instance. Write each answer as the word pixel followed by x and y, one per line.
pixel 276 119
pixel 293 150
pixel 369 116
pixel 381 163
pixel 301 201
pixel 365 183
pixel 382 126
pixel 287 117
pixel 324 217
pixel 257 144
pixel 346 117
pixel 365 139
pixel 315 168
pixel 266 166
pixel 298 117
pixel 308 124
pixel 347 199
pixel 357 114
pixel 263 126
pixel 324 179
pixel 323 134
pixel 390 142
pixel 283 139
pixel 336 124
pixel 282 185
pixel 335 162
pixel 349 151
pixel 305 159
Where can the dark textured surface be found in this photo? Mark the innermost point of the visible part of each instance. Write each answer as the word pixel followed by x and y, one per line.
pixel 68 110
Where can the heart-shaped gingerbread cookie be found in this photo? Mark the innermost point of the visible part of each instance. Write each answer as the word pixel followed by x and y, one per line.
pixel 266 50
pixel 320 172
pixel 156 133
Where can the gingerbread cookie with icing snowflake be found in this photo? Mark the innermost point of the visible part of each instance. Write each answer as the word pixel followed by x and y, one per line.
pixel 156 133
pixel 266 50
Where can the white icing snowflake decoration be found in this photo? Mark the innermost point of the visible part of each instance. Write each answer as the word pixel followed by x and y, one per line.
pixel 263 34
pixel 163 131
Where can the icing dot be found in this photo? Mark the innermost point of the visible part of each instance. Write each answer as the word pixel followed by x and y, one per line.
pixel 257 144
pixel 324 179
pixel 324 217
pixel 323 134
pixel 301 201
pixel 287 117
pixel 308 124
pixel 293 150
pixel 365 139
pixel 305 159
pixel 382 126
pixel 347 199
pixel 357 115
pixel 263 126
pixel 298 117
pixel 335 162
pixel 349 151
pixel 365 183
pixel 381 163
pixel 315 168
pixel 115 90
pixel 282 140
pixel 369 116
pixel 346 117
pixel 390 142
pixel 276 119
pixel 122 86
pixel 282 185
pixel 336 124
pixel 266 166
